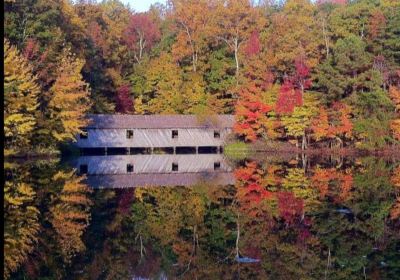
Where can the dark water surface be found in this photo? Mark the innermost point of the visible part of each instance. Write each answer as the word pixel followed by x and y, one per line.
pixel 203 217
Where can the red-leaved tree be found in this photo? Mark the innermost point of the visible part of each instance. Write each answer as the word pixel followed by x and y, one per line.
pixel 141 34
pixel 251 114
pixel 292 90
pixel 124 100
pixel 253 45
pixel 288 98
pixel 301 78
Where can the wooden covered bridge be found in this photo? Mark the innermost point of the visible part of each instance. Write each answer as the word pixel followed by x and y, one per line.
pixel 146 134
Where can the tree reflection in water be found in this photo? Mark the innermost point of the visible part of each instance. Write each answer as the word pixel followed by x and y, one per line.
pixel 317 218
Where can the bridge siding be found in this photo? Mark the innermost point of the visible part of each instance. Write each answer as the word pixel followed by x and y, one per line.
pixel 150 138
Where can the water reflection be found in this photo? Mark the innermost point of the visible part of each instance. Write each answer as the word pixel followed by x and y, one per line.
pixel 128 171
pixel 275 218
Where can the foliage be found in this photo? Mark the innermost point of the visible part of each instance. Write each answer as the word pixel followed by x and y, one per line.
pixel 21 225
pixel 251 118
pixel 124 101
pixel 70 214
pixel 297 123
pixel 21 93
pixel 141 34
pixel 199 57
pixel 69 99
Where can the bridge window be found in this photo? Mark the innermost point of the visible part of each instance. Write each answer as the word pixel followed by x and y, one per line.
pixel 174 134
pixel 175 166
pixel 129 168
pixel 217 165
pixel 217 134
pixel 84 134
pixel 129 134
pixel 83 169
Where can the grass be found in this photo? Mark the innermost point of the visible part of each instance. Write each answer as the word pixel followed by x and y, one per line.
pixel 237 150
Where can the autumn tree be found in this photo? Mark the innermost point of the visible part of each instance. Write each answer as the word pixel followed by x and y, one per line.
pixel 234 22
pixel 70 215
pixel 68 99
pixel 192 21
pixel 333 123
pixel 298 122
pixel 251 115
pixel 124 99
pixel 395 180
pixel 288 98
pixel 163 82
pixel 21 225
pixel 20 100
pixel 395 124
pixel 293 32
pixel 141 34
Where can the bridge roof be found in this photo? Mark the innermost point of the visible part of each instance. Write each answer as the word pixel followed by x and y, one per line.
pixel 117 121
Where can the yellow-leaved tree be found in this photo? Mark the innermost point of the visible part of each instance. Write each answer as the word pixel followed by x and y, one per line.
pixel 164 82
pixel 20 100
pixel 21 226
pixel 68 99
pixel 71 214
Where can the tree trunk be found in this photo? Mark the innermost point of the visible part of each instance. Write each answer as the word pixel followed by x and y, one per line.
pixel 237 60
pixel 304 142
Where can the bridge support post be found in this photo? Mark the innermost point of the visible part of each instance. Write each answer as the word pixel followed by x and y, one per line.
pixel 174 150
pixel 105 150
pixel 197 150
pixel 128 151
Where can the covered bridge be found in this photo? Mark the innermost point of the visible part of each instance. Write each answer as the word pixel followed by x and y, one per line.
pixel 144 133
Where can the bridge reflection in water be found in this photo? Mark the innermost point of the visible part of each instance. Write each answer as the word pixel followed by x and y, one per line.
pixel 128 171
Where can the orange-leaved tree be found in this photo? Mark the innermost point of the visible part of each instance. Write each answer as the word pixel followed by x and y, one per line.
pixel 394 93
pixel 333 124
pixel 252 121
pixel 192 20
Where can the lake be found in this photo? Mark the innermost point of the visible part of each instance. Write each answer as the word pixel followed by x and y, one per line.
pixel 203 217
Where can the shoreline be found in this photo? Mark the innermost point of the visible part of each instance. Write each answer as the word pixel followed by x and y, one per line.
pixel 391 151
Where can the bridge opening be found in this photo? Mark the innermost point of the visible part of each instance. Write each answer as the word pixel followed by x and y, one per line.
pixel 140 151
pixel 83 169
pixel 208 150
pixel 185 150
pixel 117 151
pixel 92 151
pixel 163 150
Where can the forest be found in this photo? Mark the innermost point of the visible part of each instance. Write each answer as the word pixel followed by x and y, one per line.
pixel 320 73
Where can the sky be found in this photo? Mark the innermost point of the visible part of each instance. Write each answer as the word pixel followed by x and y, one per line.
pixel 141 5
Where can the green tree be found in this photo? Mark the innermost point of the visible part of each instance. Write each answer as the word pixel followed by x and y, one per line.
pixel 348 70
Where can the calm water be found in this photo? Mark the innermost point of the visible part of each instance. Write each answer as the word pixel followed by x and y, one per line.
pixel 202 217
